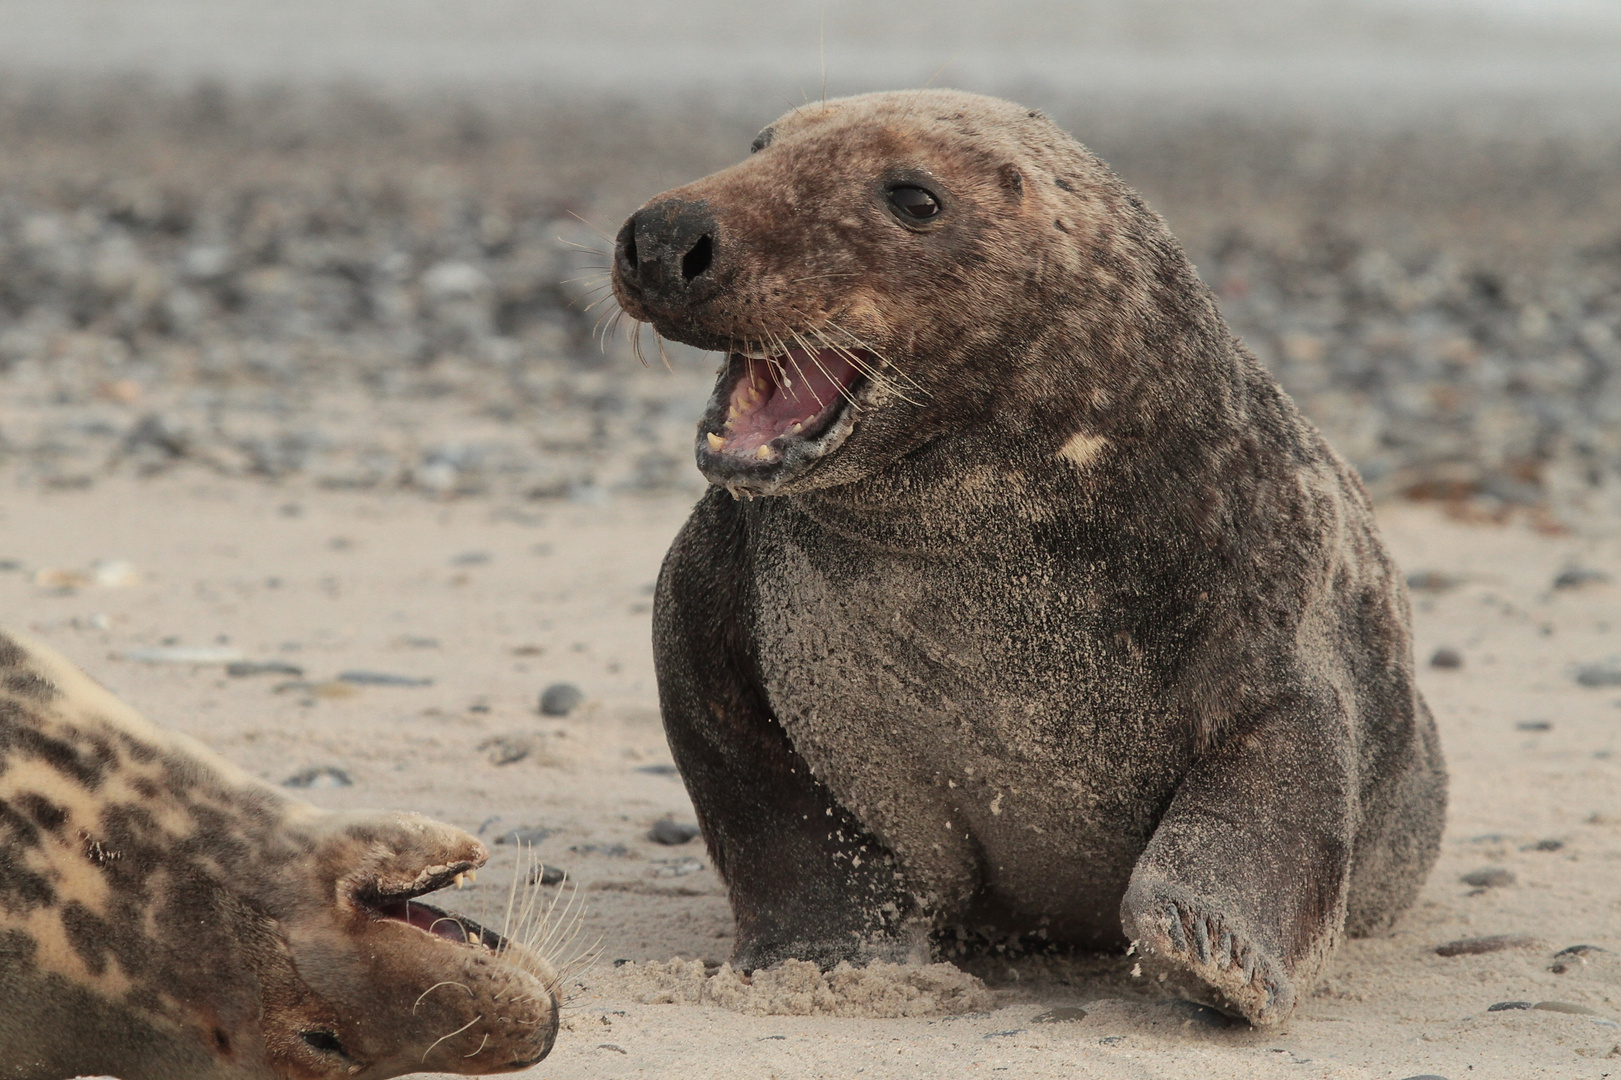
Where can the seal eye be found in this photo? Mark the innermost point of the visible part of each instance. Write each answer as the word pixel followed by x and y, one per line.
pixel 324 1041
pixel 911 201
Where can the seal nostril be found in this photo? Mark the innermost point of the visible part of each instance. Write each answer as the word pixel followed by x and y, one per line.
pixel 697 260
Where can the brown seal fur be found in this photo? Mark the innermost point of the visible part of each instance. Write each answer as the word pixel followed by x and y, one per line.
pixel 164 916
pixel 1058 618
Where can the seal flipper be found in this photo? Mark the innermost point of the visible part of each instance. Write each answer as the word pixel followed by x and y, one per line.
pixel 806 880
pixel 1239 898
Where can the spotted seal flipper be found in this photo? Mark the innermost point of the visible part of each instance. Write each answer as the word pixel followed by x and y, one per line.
pixel 1024 601
pixel 165 916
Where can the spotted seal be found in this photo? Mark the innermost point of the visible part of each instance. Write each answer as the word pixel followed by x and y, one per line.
pixel 1042 611
pixel 165 916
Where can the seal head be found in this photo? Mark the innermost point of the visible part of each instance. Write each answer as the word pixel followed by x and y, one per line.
pixel 165 916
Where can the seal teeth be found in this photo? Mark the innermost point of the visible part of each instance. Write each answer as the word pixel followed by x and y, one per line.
pixel 716 441
pixel 460 880
pixel 763 453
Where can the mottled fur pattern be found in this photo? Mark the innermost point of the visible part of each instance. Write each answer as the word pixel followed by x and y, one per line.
pixel 164 916
pixel 1090 636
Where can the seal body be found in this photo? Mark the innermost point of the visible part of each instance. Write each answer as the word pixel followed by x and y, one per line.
pixel 164 916
pixel 1025 601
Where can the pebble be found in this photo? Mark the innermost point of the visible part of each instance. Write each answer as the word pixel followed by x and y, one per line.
pixel 676 867
pixel 1578 576
pixel 546 874
pixel 243 668
pixel 1064 1014
pixel 471 558
pixel 1572 957
pixel 1446 658
pixel 659 770
pixel 613 851
pixel 1475 946
pixel 1425 1076
pixel 1545 845
pixel 319 776
pixel 381 678
pixel 667 831
pixel 506 749
pixel 184 654
pixel 525 834
pixel 1533 725
pixel 1432 581
pixel 1506 1006
pixel 1488 877
pixel 1568 1007
pixel 560 699
pixel 1601 673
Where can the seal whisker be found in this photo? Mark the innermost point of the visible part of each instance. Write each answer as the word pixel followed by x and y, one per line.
pixel 437 985
pixel 590 225
pixel 481 1046
pixel 452 1035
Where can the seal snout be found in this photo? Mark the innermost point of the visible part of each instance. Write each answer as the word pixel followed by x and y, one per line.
pixel 665 253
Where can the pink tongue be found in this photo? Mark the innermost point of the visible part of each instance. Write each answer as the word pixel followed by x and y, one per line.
pixel 814 381
pixel 425 919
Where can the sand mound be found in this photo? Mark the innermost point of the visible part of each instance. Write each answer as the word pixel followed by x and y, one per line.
pixel 800 988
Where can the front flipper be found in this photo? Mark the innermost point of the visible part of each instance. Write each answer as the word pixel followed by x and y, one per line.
pixel 1239 898
pixel 806 880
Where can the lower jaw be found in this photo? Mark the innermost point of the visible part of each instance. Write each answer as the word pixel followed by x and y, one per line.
pixel 776 465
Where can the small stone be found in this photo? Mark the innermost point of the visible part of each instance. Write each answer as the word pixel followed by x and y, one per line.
pixel 1572 957
pixel 471 558
pixel 1577 577
pixel 659 770
pixel 1432 581
pixel 560 699
pixel 525 834
pixel 381 678
pixel 1602 673
pixel 547 875
pixel 1475 946
pixel 1446 658
pixel 1065 1014
pixel 667 831
pixel 1533 725
pixel 1544 845
pixel 1488 877
pixel 184 654
pixel 243 668
pixel 1568 1007
pixel 611 1046
pixel 506 749
pixel 1425 1076
pixel 319 776
pixel 676 867
pixel 1506 1006
pixel 613 851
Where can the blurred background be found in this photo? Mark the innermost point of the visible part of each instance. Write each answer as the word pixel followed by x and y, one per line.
pixel 360 242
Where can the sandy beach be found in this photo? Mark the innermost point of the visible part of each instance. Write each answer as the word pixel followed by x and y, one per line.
pixel 493 601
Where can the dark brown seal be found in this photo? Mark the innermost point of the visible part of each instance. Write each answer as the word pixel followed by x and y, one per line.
pixel 1059 619
pixel 164 916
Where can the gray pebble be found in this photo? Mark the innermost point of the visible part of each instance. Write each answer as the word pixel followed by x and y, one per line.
pixel 1572 957
pixel 1545 845
pixel 506 749
pixel 1425 1076
pixel 1488 877
pixel 676 867
pixel 547 875
pixel 525 834
pixel 1601 673
pixel 1533 725
pixel 560 699
pixel 1446 658
pixel 1567 1007
pixel 614 851
pixel 1475 946
pixel 244 668
pixel 1432 581
pixel 381 678
pixel 659 770
pixel 1506 1006
pixel 1062 1015
pixel 319 776
pixel 471 558
pixel 666 831
pixel 1578 576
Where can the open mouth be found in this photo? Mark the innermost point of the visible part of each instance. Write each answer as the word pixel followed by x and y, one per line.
pixel 406 907
pixel 774 402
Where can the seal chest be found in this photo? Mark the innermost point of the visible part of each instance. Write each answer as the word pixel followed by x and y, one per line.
pixel 1042 608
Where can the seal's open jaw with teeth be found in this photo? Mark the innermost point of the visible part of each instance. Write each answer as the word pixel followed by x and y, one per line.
pixel 772 415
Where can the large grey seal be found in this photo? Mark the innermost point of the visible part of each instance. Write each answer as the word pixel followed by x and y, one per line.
pixel 1043 609
pixel 165 916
